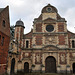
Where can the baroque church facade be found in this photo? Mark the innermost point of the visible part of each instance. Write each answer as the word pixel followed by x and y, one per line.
pixel 49 47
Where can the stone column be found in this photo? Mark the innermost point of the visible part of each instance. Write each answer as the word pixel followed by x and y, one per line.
pixel 33 62
pixel 68 63
pixel 43 63
pixel 16 64
pixel 58 64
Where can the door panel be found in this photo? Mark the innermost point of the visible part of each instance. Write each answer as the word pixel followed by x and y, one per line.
pixel 12 66
pixel 50 65
pixel 26 67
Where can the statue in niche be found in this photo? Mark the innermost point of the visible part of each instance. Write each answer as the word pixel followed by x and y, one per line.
pixel 62 58
pixel 38 58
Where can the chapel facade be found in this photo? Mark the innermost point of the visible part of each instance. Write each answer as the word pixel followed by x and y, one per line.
pixel 49 47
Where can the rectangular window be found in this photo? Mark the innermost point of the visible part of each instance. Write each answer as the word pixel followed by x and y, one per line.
pixel 0 37
pixel 27 43
pixel 73 44
pixel 2 41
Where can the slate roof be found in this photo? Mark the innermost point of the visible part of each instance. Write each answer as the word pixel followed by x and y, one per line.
pixel 1 9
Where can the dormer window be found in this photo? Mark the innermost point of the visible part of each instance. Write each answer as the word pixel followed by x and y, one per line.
pixel 3 23
pixel 73 44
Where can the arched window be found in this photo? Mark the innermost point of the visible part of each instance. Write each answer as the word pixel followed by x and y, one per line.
pixel 2 42
pixel 11 46
pixel 73 44
pixel 27 43
pixel 3 23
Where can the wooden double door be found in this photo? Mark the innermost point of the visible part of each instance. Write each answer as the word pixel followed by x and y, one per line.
pixel 50 65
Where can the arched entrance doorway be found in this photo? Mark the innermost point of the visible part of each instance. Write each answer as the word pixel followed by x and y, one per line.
pixel 26 67
pixel 12 66
pixel 73 67
pixel 50 65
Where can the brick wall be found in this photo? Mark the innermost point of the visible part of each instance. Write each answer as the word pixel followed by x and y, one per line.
pixel 4 15
pixel 60 27
pixel 5 34
pixel 38 39
pixel 39 27
pixel 70 35
pixel 61 39
pixel 4 52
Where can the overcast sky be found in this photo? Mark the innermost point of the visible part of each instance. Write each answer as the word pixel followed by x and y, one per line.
pixel 27 10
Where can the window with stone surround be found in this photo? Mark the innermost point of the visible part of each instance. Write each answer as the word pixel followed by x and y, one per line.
pixel 49 28
pixel 3 23
pixel 73 44
pixel 0 39
pixel 2 42
pixel 27 44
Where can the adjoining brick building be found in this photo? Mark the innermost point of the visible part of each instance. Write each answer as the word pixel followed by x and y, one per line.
pixel 49 47
pixel 4 38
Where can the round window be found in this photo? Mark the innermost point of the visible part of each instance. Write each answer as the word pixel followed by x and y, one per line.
pixel 49 28
pixel 48 9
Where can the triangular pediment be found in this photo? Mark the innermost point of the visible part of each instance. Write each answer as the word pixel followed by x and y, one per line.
pixel 50 47
pixel 49 20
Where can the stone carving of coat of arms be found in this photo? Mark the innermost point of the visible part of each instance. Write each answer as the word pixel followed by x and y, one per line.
pixel 51 40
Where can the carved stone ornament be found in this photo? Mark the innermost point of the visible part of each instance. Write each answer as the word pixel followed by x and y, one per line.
pixel 50 40
pixel 73 54
pixel 63 58
pixel 50 47
pixel 26 54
